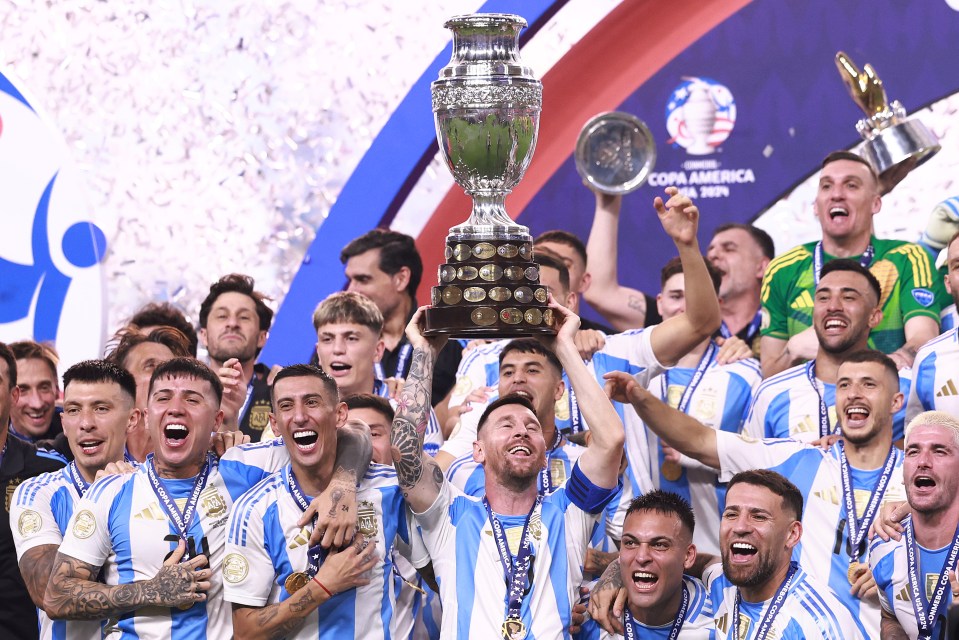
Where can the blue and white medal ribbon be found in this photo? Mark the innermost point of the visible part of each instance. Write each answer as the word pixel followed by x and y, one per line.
pixel 545 477
pixel 817 261
pixel 767 622
pixel 629 622
pixel 856 529
pixel 181 521
pixel 824 427
pixel 401 359
pixel 316 554
pixel 515 572
pixel 79 483
pixel 926 613
pixel 751 330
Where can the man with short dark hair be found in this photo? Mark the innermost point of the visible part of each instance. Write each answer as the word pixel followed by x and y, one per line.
pixel 761 587
pixel 800 402
pixel 163 314
pixel 912 295
pixel 845 485
pixel 385 266
pixel 19 460
pixel 34 417
pixel 98 410
pixel 234 324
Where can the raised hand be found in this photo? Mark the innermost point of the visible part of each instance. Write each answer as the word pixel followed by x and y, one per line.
pixel 414 331
pixel 678 215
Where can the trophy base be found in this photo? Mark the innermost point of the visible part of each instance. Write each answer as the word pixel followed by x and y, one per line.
pixel 488 322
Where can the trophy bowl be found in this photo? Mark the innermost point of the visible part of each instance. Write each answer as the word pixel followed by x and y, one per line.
pixel 615 152
pixel 486 107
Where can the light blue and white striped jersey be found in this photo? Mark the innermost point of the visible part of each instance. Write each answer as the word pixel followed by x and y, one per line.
pixel 787 406
pixel 699 616
pixel 891 572
pixel 459 536
pixel 265 546
pixel 810 610
pixel 935 377
pixel 39 513
pixel 823 551
pixel 948 318
pixel 121 526
pixel 720 401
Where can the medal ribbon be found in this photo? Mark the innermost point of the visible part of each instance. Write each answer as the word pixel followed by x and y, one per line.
pixel 824 428
pixel 751 330
pixel 316 554
pixel 704 361
pixel 926 620
pixel 767 622
pixel 629 630
pixel 856 529
pixel 246 401
pixel 515 573
pixel 865 260
pixel 181 521
pixel 79 483
pixel 401 359
pixel 545 477
pixel 575 417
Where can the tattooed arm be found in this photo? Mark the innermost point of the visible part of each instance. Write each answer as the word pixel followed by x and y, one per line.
pixel 890 629
pixel 36 564
pixel 607 598
pixel 335 508
pixel 341 571
pixel 419 476
pixel 73 592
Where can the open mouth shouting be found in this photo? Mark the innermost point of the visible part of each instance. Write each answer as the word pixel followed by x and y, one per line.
pixel 520 450
pixel 856 416
pixel 338 368
pixel 835 324
pixel 923 483
pixel 305 440
pixel 742 552
pixel 644 581
pixel 175 434
pixel 838 212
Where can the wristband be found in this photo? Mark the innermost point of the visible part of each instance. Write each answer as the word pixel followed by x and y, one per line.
pixel 328 592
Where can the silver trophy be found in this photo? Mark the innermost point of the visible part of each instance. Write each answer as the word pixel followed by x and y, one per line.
pixel 486 105
pixel 615 153
pixel 893 145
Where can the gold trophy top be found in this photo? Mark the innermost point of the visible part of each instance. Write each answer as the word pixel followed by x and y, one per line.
pixel 864 86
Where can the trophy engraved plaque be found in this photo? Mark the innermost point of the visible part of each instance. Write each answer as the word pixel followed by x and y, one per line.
pixel 486 106
pixel 893 145
pixel 615 153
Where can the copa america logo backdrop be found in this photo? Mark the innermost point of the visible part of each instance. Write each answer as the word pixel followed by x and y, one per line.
pixel 51 283
pixel 700 115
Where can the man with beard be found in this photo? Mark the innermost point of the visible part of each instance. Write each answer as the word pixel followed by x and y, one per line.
pixel 912 296
pixel 914 572
pixel 98 410
pixel 934 385
pixel 762 592
pixel 480 562
pixel 845 485
pixel 234 323
pixel 800 403
pixel 657 549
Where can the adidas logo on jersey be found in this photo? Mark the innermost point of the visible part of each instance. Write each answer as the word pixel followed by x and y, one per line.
pixel 803 302
pixel 153 512
pixel 948 389
pixel 300 539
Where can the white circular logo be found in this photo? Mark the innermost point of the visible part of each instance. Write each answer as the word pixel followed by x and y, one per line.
pixel 700 115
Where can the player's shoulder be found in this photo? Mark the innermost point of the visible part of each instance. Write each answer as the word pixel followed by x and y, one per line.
pixel 259 496
pixel 106 488
pixel 748 369
pixel 250 450
pixel 782 381
pixel 945 341
pixel 378 476
pixel 39 488
pixel 795 255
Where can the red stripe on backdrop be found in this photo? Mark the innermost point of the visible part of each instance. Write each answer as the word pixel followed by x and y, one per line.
pixel 598 73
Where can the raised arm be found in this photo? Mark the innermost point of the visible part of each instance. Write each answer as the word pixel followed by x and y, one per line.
pixel 600 462
pixel 73 592
pixel 419 476
pixel 676 336
pixel 677 429
pixel 623 307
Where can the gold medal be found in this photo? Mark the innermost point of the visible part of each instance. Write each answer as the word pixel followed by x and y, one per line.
pixel 514 629
pixel 483 316
pixel 484 251
pixel 855 569
pixel 511 316
pixel 540 295
pixel 452 294
pixel 467 273
pixel 507 251
pixel 671 471
pixel 296 581
pixel 533 316
pixel 499 294
pixel 523 295
pixel 461 252
pixel 474 294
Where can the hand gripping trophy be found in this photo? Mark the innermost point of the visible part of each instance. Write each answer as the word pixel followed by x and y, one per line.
pixel 486 105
